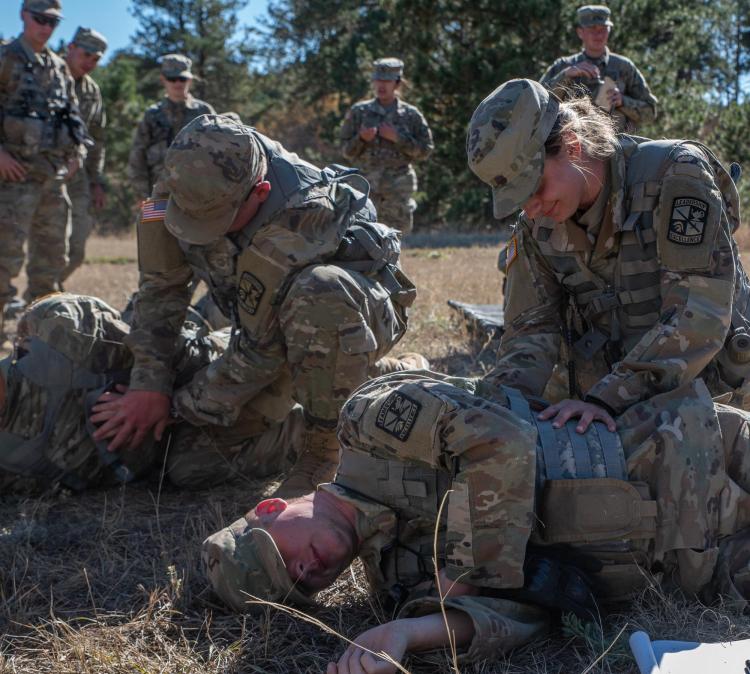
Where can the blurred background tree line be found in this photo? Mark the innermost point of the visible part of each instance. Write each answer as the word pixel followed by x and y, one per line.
pixel 295 76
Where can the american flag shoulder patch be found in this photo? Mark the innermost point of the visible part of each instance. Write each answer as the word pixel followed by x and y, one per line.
pixel 153 210
pixel 511 252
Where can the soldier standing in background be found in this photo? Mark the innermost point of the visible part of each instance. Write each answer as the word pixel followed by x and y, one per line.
pixel 612 81
pixel 382 136
pixel 161 123
pixel 86 187
pixel 42 143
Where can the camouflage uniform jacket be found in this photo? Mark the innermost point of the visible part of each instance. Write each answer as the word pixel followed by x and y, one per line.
pixel 86 335
pixel 396 476
pixel 307 230
pixel 92 112
pixel 414 136
pixel 36 92
pixel 638 103
pixel 160 124
pixel 650 307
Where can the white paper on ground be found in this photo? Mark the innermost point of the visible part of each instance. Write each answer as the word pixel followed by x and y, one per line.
pixel 688 657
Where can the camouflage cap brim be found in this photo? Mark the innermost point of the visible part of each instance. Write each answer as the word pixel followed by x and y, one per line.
pixel 198 230
pixel 242 562
pixel 509 198
pixel 506 138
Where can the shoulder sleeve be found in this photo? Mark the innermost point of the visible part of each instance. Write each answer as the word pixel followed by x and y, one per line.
pixel 137 163
pixel 500 625
pixel 638 103
pixel 697 270
pixel 416 141
pixel 533 316
pixel 351 144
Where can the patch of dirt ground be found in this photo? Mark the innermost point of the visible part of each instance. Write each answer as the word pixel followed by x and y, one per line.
pixel 108 582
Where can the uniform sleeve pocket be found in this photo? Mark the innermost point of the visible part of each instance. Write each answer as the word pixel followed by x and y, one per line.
pixel 357 338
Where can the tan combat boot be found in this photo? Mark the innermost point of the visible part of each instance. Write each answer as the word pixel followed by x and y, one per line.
pixel 316 464
pixel 406 361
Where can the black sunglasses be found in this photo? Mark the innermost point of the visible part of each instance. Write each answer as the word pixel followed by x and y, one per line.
pixel 177 79
pixel 43 20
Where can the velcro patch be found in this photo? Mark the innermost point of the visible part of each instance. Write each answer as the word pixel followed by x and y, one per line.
pixel 398 415
pixel 153 210
pixel 250 292
pixel 511 252
pixel 687 223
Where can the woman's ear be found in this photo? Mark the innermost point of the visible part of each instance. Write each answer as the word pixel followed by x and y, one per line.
pixel 572 145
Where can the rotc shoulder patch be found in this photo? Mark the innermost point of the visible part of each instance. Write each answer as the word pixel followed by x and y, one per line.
pixel 250 292
pixel 687 223
pixel 397 415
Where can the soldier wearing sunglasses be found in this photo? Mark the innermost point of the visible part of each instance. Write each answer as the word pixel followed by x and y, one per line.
pixel 161 123
pixel 42 144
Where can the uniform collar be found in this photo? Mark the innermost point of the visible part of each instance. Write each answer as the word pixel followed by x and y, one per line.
pixel 30 53
pixel 591 219
pixel 383 109
pixel 603 59
pixel 373 519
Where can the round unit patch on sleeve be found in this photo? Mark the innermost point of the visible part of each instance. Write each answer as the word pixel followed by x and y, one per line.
pixel 687 223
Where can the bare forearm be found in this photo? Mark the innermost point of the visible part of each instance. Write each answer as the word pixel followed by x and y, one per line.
pixel 428 632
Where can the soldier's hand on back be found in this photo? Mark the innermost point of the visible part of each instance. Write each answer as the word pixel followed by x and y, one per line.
pixel 11 170
pixel 582 69
pixel 388 131
pixel 131 417
pixel 368 133
pixel 577 409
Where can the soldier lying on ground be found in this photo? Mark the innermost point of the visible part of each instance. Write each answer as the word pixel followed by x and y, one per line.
pixel 538 519
pixel 70 354
pixel 292 255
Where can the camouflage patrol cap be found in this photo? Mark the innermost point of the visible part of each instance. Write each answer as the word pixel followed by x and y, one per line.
pixel 505 143
pixel 594 15
pixel 242 560
pixel 46 7
pixel 176 65
pixel 387 69
pixel 211 166
pixel 90 40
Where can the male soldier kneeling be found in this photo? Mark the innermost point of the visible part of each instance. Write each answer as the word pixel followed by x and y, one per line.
pixel 70 362
pixel 293 258
pixel 538 518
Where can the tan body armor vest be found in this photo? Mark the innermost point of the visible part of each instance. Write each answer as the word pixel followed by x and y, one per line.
pixel 610 314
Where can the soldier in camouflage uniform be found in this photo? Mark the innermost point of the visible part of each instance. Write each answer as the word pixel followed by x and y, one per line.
pixel 86 187
pixel 41 144
pixel 383 136
pixel 161 123
pixel 292 257
pixel 612 81
pixel 624 253
pixel 524 533
pixel 70 354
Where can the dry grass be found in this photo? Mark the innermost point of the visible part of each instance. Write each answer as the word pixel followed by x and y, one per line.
pixel 108 581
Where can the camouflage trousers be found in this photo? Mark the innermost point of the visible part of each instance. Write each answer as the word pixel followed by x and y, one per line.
pixel 336 325
pixel 392 192
pixel 89 334
pixel 37 211
pixel 82 221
